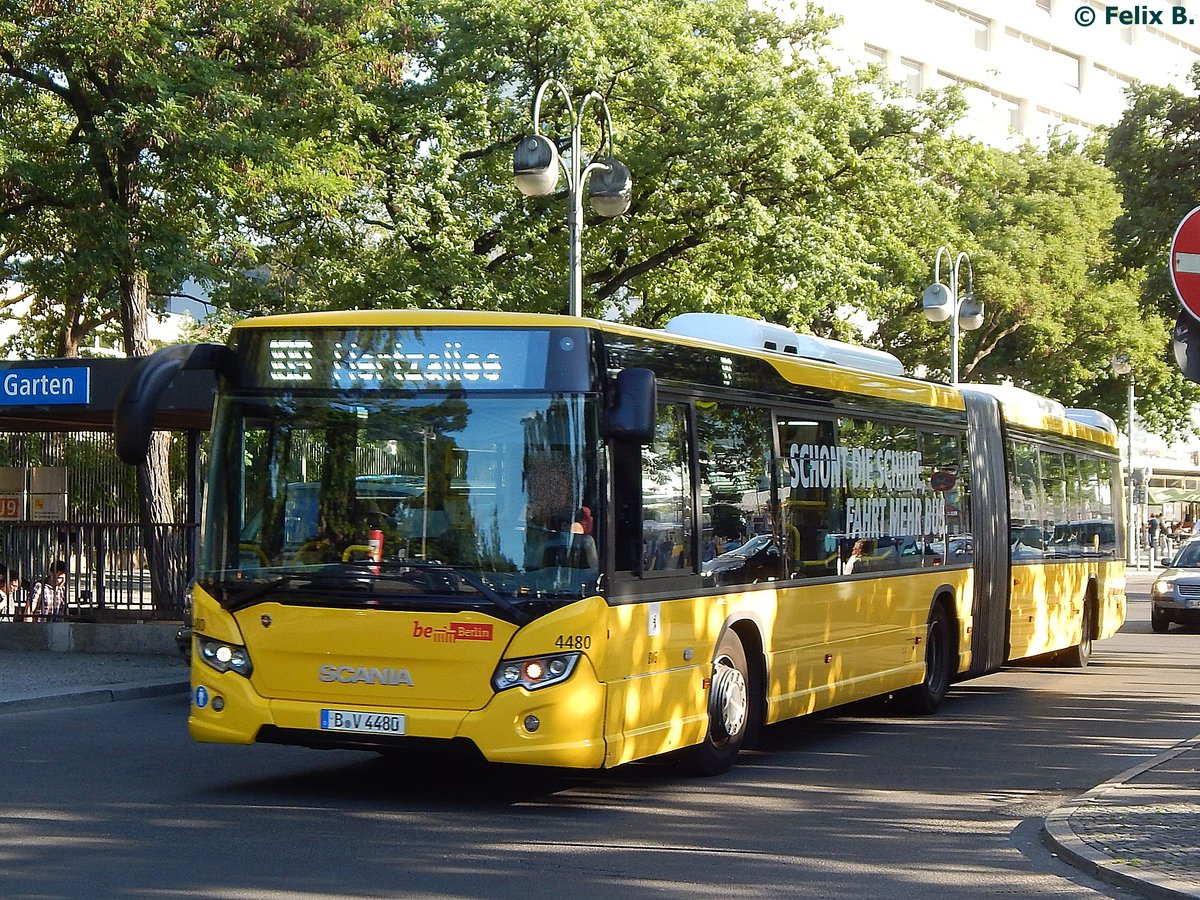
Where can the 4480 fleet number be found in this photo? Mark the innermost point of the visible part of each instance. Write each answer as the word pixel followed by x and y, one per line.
pixel 574 642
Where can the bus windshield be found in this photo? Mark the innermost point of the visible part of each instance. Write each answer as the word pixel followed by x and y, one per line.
pixel 443 495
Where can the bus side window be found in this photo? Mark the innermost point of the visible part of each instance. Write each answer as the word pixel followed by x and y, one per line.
pixel 734 450
pixel 810 497
pixel 666 490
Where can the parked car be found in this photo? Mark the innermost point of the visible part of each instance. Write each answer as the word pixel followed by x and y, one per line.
pixel 755 560
pixel 1175 596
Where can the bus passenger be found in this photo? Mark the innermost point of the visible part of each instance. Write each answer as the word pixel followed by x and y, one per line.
pixel 857 552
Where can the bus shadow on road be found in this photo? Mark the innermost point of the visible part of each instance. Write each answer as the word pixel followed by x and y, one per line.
pixel 430 780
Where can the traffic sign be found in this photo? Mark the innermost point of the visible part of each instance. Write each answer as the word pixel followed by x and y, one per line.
pixel 1185 262
pixel 1186 343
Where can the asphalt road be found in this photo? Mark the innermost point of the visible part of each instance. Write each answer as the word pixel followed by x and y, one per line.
pixel 115 801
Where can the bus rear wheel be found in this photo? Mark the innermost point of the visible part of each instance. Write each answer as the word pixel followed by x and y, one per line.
pixel 925 698
pixel 1078 656
pixel 728 711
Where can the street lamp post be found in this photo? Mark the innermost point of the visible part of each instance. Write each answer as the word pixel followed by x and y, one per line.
pixel 609 185
pixel 940 303
pixel 1123 365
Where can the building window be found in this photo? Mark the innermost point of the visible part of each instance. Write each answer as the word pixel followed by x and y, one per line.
pixel 1044 5
pixel 963 24
pixel 1014 115
pixel 911 75
pixel 1039 56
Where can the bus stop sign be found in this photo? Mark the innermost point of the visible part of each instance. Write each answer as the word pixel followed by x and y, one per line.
pixel 1185 262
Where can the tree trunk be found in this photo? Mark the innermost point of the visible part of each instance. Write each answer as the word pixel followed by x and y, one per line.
pixel 162 539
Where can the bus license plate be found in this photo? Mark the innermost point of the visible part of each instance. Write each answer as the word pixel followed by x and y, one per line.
pixel 364 722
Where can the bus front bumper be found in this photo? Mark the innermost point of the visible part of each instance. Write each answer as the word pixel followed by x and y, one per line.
pixel 560 725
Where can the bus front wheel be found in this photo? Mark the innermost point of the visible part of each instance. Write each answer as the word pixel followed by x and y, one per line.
pixel 728 711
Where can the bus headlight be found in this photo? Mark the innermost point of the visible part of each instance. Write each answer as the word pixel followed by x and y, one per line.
pixel 534 672
pixel 224 657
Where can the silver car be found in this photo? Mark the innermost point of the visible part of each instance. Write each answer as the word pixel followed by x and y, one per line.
pixel 1175 596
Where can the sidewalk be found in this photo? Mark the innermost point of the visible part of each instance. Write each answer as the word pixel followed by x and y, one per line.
pixel 1141 829
pixel 31 679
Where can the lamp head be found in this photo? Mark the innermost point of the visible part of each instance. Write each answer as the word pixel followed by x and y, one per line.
pixel 970 312
pixel 535 166
pixel 610 190
pixel 936 303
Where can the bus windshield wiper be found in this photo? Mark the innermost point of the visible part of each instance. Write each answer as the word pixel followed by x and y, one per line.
pixel 236 599
pixel 239 599
pixel 518 615
pixel 363 571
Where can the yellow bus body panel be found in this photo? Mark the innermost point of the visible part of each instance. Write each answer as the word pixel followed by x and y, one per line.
pixel 824 645
pixel 640 687
pixel 839 642
pixel 450 696
pixel 1046 605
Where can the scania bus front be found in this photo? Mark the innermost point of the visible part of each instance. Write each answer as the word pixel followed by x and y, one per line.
pixel 399 522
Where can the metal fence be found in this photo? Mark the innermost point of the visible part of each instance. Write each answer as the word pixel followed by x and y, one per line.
pixel 108 574
pixel 107 564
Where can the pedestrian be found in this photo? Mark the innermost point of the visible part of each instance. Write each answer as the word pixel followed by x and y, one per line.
pixel 48 599
pixel 10 595
pixel 1154 527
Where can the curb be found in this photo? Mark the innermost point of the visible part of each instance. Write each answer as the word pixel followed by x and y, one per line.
pixel 90 697
pixel 1059 834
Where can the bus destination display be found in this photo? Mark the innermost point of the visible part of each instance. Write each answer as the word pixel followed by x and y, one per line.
pixel 374 359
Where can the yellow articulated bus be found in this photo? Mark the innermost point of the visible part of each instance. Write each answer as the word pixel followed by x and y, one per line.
pixel 566 542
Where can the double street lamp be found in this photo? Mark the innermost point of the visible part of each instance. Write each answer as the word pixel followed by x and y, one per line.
pixel 609 185
pixel 940 303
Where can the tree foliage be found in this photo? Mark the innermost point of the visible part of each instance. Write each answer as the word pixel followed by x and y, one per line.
pixel 141 142
pixel 765 182
pixel 1151 153
pixel 1036 225
pixel 350 154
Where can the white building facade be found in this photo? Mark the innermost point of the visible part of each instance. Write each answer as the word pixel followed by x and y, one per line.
pixel 1026 67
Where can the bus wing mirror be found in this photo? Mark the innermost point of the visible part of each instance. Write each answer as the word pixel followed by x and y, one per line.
pixel 635 400
pixel 133 417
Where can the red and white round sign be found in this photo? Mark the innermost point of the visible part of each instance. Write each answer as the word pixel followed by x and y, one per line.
pixel 1185 262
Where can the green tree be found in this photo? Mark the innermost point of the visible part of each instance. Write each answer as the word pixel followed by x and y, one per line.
pixel 1036 226
pixel 1152 154
pixel 144 142
pixel 765 182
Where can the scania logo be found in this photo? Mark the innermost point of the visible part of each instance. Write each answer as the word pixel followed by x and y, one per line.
pixel 365 675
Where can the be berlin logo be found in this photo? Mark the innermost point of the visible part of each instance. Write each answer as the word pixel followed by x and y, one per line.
pixel 1137 15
